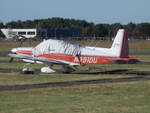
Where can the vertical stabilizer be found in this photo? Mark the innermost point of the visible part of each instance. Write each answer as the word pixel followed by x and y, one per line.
pixel 5 32
pixel 120 45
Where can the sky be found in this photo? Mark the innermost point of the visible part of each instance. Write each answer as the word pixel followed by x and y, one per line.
pixel 96 11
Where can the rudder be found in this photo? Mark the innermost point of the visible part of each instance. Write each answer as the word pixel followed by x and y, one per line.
pixel 120 45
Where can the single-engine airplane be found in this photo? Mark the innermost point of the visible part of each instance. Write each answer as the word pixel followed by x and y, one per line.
pixel 63 53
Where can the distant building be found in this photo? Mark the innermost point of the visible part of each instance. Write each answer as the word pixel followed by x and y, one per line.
pixel 10 33
pixel 43 33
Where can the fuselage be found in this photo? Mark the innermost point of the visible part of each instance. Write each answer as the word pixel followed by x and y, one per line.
pixel 94 56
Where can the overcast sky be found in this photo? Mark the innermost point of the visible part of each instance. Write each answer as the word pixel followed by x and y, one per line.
pixel 97 11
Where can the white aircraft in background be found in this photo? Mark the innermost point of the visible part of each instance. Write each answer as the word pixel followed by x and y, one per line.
pixel 19 33
pixel 65 53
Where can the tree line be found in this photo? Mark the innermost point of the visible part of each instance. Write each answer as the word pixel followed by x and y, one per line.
pixel 88 29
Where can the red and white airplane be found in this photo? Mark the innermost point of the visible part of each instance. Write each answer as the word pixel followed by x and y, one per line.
pixel 65 53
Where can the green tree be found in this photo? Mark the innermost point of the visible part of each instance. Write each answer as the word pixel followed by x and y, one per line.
pixel 88 31
pixel 130 27
pixel 114 28
pixel 100 30
pixel 143 29
pixel 1 26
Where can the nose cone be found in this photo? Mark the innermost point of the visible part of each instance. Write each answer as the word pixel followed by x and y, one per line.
pixel 14 50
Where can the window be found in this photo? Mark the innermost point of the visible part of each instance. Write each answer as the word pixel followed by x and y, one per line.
pixel 31 33
pixel 21 33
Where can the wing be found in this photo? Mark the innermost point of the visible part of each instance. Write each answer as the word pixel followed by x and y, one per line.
pixel 41 59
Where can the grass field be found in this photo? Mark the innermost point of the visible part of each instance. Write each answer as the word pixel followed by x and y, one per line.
pixel 126 97
pixel 99 98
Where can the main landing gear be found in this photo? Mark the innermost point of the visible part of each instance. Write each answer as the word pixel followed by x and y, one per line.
pixel 63 69
pixel 27 69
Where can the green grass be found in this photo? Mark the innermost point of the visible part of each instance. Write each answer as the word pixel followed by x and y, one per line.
pixel 100 98
pixel 134 46
pixel 143 58
pixel 20 79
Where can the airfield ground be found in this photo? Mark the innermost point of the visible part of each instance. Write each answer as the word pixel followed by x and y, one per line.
pixel 106 89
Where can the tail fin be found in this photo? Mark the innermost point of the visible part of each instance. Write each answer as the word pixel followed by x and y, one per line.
pixel 120 44
pixel 5 32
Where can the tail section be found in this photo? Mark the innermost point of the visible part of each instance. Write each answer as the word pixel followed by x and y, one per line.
pixel 120 45
pixel 5 32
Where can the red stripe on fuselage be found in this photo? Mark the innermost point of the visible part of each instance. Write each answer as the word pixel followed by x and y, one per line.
pixel 85 60
pixel 82 59
pixel 25 52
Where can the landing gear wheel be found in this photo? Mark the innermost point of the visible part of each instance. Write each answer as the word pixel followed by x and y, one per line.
pixel 67 69
pixel 27 69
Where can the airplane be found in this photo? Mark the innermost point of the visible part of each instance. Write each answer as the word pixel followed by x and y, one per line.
pixel 58 52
